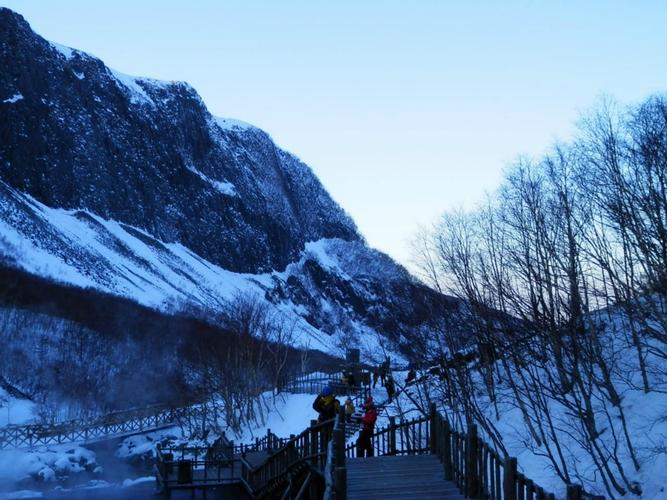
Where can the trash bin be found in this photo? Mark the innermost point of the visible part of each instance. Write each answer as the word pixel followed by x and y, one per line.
pixel 184 471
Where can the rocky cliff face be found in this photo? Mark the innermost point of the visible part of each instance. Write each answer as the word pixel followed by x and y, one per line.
pixel 78 135
pixel 131 187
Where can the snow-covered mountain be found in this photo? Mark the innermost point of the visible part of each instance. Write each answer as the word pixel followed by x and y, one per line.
pixel 78 135
pixel 131 187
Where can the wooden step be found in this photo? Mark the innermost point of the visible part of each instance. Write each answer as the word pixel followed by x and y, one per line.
pixel 393 477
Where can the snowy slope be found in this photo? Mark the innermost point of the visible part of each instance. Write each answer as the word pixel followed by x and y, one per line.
pixel 644 414
pixel 334 285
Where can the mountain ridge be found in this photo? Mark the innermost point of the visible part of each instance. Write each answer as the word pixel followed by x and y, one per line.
pixel 131 187
pixel 143 152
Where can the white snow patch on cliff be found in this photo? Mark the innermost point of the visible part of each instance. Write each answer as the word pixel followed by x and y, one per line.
pixel 232 124
pixel 68 52
pixel 319 251
pixel 15 98
pixel 36 260
pixel 137 93
pixel 226 188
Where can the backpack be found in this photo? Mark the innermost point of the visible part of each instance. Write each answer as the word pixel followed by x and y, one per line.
pixel 318 404
pixel 326 410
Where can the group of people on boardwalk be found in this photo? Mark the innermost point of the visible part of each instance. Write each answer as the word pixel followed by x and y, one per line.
pixel 383 374
pixel 328 406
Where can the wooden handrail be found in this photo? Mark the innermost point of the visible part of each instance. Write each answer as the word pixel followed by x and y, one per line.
pixel 306 449
pixel 476 468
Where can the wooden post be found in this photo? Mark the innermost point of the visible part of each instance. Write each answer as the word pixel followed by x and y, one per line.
pixel 472 474
pixel 433 437
pixel 341 418
pixel 340 483
pixel 446 443
pixel 509 479
pixel 392 435
pixel 530 489
pixel 313 442
pixel 291 451
pixel 574 492
pixel 339 447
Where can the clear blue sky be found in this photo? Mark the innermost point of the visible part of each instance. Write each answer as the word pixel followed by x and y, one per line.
pixel 403 109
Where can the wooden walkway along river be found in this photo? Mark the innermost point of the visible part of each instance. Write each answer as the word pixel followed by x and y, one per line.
pixel 141 420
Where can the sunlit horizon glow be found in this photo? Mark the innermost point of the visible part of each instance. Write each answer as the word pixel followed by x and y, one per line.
pixel 403 111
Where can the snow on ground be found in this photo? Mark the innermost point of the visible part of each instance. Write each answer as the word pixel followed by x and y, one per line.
pixel 143 445
pixel 131 482
pixel 646 415
pixel 284 414
pixel 15 411
pixel 21 494
pixel 291 414
pixel 39 260
pixel 318 251
pixel 644 412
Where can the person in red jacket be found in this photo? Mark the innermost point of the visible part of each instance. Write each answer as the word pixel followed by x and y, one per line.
pixel 364 442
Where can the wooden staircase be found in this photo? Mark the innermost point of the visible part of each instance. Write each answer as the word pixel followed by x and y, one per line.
pixel 398 477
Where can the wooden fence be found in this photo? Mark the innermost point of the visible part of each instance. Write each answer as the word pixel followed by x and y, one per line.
pixel 124 423
pixel 119 424
pixel 303 456
pixel 190 468
pixel 469 462
pixel 115 424
pixel 316 382
pixel 335 473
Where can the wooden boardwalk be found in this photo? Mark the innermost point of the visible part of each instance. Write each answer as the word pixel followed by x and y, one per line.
pixel 398 477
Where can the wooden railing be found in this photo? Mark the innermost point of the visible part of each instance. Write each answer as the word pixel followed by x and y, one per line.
pixel 304 455
pixel 120 423
pixel 335 473
pixel 193 467
pixel 150 418
pixel 207 466
pixel 315 383
pixel 410 437
pixel 269 442
pixel 477 469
